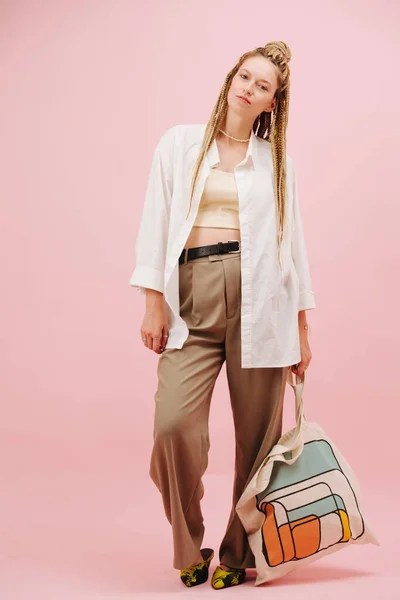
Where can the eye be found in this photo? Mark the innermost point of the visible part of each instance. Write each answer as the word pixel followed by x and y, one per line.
pixel 262 86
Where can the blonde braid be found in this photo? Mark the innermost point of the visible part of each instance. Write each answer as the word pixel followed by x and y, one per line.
pixel 273 126
pixel 279 53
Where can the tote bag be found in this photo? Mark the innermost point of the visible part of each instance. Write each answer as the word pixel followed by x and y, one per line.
pixel 303 502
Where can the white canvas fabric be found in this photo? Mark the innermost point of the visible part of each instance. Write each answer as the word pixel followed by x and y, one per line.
pixel 303 502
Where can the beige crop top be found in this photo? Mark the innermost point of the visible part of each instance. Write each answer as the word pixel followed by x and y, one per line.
pixel 219 203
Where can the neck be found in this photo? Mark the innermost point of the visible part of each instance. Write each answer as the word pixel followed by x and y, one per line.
pixel 238 128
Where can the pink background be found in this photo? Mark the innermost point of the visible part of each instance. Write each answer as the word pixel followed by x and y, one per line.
pixel 87 88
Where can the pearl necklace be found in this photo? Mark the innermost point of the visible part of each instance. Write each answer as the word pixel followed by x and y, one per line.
pixel 233 138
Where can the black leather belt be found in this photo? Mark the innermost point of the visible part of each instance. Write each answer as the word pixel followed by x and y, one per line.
pixel 220 248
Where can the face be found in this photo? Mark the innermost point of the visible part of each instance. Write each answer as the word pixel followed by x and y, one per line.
pixel 257 81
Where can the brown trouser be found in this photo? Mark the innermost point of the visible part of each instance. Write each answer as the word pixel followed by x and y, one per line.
pixel 210 300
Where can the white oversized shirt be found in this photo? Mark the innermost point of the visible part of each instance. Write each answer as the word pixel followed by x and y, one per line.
pixel 270 297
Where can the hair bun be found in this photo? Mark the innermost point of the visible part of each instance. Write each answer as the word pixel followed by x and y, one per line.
pixel 279 51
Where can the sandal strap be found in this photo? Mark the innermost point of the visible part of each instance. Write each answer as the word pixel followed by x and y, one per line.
pixel 232 570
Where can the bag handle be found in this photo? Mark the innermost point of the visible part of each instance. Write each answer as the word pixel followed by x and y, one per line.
pixel 298 388
pixel 293 440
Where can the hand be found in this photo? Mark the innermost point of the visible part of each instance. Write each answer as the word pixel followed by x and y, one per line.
pixel 306 355
pixel 154 330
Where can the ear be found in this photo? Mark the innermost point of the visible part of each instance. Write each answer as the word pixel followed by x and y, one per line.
pixel 271 106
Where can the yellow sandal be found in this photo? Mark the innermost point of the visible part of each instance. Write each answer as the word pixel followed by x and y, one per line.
pixel 223 579
pixel 198 573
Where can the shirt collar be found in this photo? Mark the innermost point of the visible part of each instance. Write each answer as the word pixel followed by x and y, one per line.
pixel 251 153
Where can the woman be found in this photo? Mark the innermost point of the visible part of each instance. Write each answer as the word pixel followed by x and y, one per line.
pixel 222 262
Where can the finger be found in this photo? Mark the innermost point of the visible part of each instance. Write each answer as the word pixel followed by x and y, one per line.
pixel 164 339
pixel 152 344
pixel 299 370
pixel 156 343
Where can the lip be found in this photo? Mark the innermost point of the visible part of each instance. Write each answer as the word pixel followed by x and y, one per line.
pixel 244 99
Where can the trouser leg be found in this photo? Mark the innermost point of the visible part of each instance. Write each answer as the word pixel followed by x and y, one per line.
pixel 186 378
pixel 257 396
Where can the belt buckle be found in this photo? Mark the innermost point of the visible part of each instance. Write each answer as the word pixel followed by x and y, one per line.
pixel 234 251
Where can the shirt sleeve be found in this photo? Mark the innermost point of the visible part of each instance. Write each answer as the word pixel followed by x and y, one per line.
pixel 299 253
pixel 151 241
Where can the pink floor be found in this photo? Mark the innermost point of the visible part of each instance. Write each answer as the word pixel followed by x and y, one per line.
pixel 78 534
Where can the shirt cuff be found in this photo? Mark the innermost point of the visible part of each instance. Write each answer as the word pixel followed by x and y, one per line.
pixel 307 301
pixel 147 277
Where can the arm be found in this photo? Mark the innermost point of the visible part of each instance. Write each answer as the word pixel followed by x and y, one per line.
pixel 151 241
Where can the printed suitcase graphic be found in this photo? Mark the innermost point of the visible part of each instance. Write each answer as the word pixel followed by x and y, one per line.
pixel 308 506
